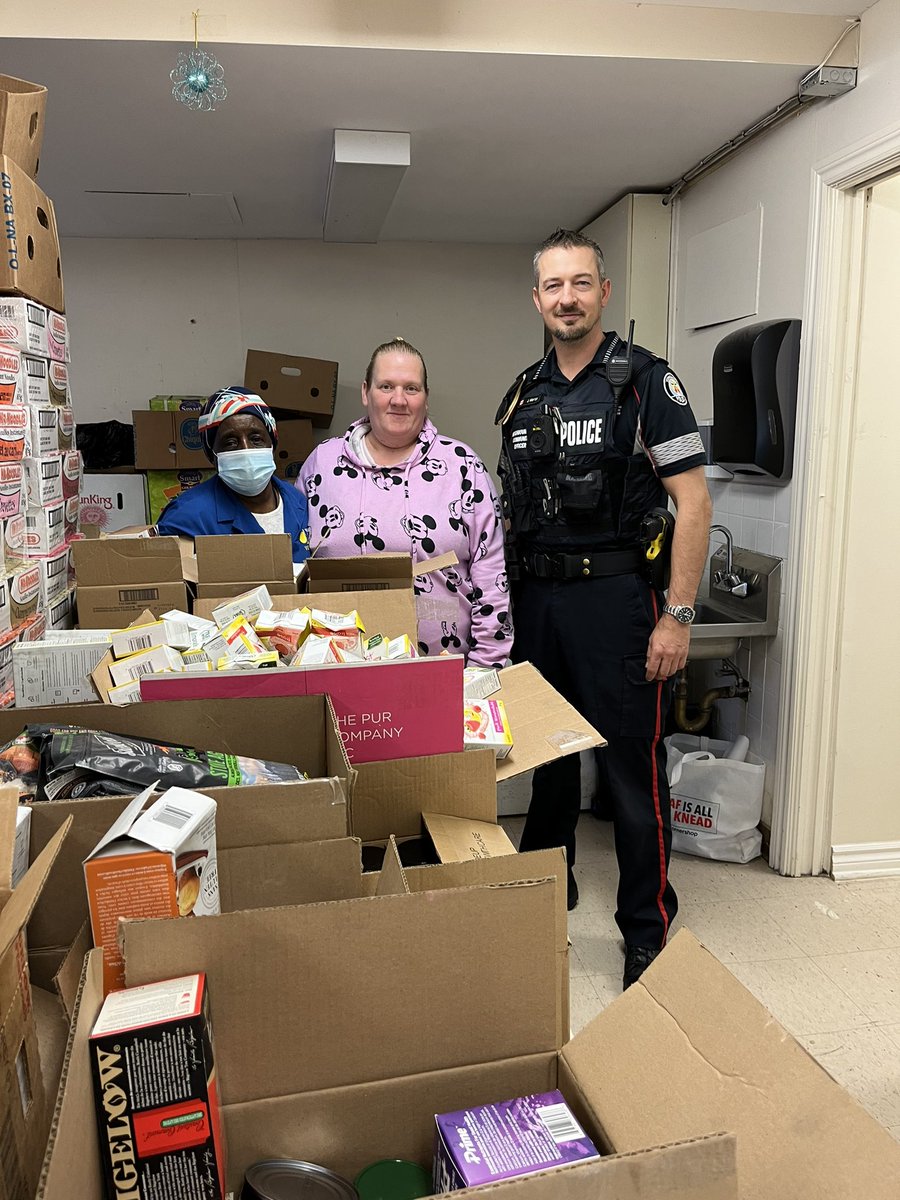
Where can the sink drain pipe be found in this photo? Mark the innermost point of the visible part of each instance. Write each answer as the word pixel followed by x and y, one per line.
pixel 735 691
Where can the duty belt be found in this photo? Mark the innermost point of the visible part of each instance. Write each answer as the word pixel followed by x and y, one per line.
pixel 583 566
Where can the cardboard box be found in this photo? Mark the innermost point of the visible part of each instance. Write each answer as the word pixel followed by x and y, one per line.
pixel 157 660
pixel 57 672
pixel 166 441
pixel 11 488
pixel 11 391
pixel 43 480
pixel 33 629
pixel 23 325
pixel 456 839
pixel 303 387
pixel 43 381
pixel 152 1047
pixel 368 572
pixel 73 521
pixel 45 528
pixel 155 863
pixel 22 844
pixel 29 265
pixel 260 557
pixel 295 444
pixel 61 612
pixel 113 502
pixel 15 428
pixel 24 592
pixel 50 428
pixel 176 403
pixel 163 486
pixel 22 110
pixel 54 570
pixel 118 578
pixel 7 687
pixel 72 473
pixel 57 337
pixel 26 1100
pixel 14 539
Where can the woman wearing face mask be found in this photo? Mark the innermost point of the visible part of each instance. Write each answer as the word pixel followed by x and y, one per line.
pixel 239 435
pixel 393 484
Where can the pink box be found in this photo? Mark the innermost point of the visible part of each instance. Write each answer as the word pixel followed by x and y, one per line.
pixel 384 710
pixel 11 480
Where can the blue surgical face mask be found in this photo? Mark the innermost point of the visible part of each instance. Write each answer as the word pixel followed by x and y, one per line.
pixel 246 471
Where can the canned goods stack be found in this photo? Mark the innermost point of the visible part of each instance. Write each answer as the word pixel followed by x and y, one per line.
pixel 40 468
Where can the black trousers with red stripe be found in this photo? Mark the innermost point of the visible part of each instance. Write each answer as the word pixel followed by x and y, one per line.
pixel 588 638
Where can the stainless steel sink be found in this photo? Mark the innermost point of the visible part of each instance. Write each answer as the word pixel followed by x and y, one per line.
pixel 723 620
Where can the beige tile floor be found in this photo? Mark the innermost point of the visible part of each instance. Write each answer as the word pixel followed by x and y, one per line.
pixel 823 957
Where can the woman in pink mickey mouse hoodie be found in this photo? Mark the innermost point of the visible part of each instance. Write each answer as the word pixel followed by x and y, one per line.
pixel 392 483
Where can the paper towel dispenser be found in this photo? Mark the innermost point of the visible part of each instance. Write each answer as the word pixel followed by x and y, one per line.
pixel 754 382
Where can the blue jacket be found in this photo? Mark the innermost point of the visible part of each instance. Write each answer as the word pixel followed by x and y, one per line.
pixel 212 507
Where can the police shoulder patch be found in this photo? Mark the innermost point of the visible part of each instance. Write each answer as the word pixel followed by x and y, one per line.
pixel 673 389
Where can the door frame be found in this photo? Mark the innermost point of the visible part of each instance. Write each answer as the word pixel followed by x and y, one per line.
pixel 804 775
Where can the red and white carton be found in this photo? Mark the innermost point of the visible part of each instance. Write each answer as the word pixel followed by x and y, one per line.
pixel 33 629
pixel 14 427
pixel 23 324
pixel 14 540
pixel 54 581
pixel 10 376
pixel 11 489
pixel 7 684
pixel 43 480
pixel 44 382
pixel 72 472
pixel 45 529
pixel 5 615
pixel 24 593
pixel 61 613
pixel 73 518
pixel 156 1092
pixel 57 336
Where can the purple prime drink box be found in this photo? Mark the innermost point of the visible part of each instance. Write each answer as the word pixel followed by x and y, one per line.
pixel 499 1141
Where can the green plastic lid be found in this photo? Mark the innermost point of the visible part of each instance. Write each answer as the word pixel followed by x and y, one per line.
pixel 393 1179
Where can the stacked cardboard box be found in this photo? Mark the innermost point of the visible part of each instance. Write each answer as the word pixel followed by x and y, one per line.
pixel 40 468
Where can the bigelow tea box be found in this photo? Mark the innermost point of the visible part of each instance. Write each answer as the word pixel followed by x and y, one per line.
pixel 491 1142
pixel 156 1093
pixel 158 863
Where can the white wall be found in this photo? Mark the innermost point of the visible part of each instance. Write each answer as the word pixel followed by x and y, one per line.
pixel 776 172
pixel 177 317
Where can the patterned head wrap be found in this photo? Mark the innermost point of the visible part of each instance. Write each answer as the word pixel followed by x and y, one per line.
pixel 228 403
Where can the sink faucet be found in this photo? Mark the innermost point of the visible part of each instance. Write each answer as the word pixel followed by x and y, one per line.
pixel 728 580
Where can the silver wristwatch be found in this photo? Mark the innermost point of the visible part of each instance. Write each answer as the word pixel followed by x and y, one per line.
pixel 683 613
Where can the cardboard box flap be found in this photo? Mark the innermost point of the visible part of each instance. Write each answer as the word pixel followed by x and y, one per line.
pixel 67 979
pixel 252 556
pixel 388 797
pixel 114 562
pixel 392 876
pixel 72 1160
pixel 439 563
pixel 20 905
pixel 798 1132
pixel 544 725
pixel 457 839
pixel 330 963
pixel 394 570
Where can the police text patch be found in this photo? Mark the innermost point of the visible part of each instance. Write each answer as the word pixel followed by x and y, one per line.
pixel 673 388
pixel 583 435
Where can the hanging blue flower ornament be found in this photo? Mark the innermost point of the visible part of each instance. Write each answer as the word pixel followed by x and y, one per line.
pixel 198 79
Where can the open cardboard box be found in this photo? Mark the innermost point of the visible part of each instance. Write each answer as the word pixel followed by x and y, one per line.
pixel 299 730
pixel 401 1020
pixel 32 1026
pixel 239 562
pixel 119 577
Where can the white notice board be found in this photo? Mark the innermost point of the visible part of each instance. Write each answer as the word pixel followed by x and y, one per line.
pixel 722 275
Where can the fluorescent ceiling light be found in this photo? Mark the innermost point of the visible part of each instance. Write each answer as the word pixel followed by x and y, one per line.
pixel 366 169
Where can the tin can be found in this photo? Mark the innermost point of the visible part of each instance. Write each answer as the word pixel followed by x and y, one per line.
pixel 394 1179
pixel 289 1179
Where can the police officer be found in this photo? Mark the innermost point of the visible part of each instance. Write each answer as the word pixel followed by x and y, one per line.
pixel 589 448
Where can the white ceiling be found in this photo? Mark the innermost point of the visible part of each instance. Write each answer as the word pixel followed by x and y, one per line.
pixel 504 147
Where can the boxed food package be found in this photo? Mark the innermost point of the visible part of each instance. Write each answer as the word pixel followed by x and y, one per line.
pixel 24 592
pixel 57 337
pixel 23 107
pixel 45 528
pixel 54 569
pixel 165 441
pixel 250 604
pixel 155 661
pixel 491 1142
pixel 486 724
pixel 61 612
pixel 72 475
pixel 156 1092
pixel 176 403
pixel 15 428
pixel 14 539
pixel 163 486
pixel 11 488
pixel 34 628
pixel 11 390
pixel 43 480
pixel 73 518
pixel 178 631
pixel 23 325
pixel 158 863
pixel 44 382
pixel 29 221
pixel 22 842
pixel 113 502
pixel 237 639
pixel 58 670
pixel 304 387
pixel 50 428
pixel 7 680
pixel 118 578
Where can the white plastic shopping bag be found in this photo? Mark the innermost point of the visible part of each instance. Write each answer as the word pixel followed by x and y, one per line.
pixel 716 801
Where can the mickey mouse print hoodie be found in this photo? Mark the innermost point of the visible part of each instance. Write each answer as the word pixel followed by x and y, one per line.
pixel 440 499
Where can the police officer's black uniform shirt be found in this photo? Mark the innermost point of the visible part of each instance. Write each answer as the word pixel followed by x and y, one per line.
pixel 654 436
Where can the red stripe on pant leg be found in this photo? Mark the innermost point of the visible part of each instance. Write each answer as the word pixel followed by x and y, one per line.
pixel 663 876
